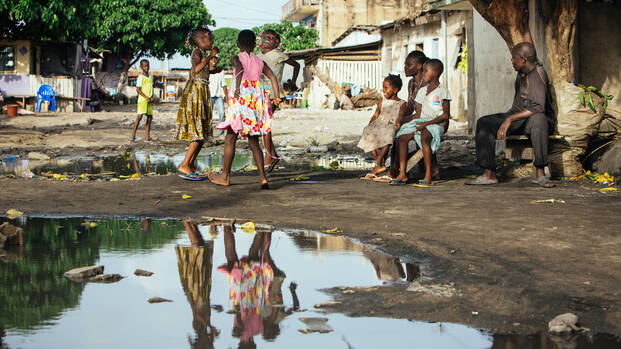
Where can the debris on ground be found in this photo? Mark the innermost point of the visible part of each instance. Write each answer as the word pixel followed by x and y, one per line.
pixel 437 290
pixel 548 201
pixel 315 324
pixel 13 213
pixel 37 156
pixel 140 272
pixel 248 227
pixel 333 231
pixel 186 196
pixel 565 324
pixel 158 300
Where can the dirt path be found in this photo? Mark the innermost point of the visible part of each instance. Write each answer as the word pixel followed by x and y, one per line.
pixel 515 263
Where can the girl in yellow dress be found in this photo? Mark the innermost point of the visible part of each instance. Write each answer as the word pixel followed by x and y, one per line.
pixel 194 114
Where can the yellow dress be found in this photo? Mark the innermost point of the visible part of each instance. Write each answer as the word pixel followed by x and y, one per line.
pixel 146 86
pixel 194 114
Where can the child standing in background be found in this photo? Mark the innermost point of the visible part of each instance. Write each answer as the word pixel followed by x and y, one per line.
pixel 217 90
pixel 276 60
pixel 248 113
pixel 194 114
pixel 144 87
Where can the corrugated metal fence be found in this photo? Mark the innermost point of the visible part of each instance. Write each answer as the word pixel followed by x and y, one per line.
pixel 363 74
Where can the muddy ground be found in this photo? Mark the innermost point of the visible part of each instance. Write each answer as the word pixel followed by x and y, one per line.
pixel 514 263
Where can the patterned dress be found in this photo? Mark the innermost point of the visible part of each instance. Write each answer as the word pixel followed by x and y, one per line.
pixel 194 114
pixel 381 131
pixel 249 114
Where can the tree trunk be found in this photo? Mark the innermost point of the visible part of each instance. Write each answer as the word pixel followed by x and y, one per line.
pixel 334 87
pixel 508 17
pixel 128 60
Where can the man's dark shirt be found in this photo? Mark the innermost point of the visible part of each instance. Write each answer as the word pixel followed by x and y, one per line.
pixel 532 92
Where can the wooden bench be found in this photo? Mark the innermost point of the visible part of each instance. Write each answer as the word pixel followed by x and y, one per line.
pixel 519 148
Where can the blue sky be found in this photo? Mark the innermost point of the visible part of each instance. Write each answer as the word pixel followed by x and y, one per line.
pixel 240 14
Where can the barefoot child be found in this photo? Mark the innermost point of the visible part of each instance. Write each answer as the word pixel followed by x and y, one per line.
pixel 194 114
pixel 432 111
pixel 248 113
pixel 144 87
pixel 275 60
pixel 378 136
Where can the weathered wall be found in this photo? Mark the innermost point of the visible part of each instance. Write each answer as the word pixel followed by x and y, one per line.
pixel 599 49
pixel 492 88
pixel 22 61
pixel 399 41
pixel 339 15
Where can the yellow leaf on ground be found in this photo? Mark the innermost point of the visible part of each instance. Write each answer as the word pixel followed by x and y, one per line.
pixel 136 175
pixel 300 178
pixel 59 176
pixel 421 185
pixel 608 190
pixel 333 231
pixel 185 196
pixel 13 213
pixel 248 227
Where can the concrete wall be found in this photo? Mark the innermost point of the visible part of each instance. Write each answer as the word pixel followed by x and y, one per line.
pixel 22 61
pixel 491 89
pixel 599 49
pixel 399 41
pixel 340 15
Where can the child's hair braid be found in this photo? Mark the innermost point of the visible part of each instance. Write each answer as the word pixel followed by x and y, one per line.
pixel 190 39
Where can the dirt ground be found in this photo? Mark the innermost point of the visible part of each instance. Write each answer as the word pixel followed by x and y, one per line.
pixel 513 264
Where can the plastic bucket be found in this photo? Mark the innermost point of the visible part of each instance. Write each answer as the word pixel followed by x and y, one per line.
pixel 11 110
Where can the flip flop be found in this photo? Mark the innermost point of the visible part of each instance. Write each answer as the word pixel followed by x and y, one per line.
pixel 264 186
pixel 189 177
pixel 544 182
pixel 480 180
pixel 199 174
pixel 272 166
pixel 397 182
pixel 369 176
pixel 422 182
pixel 383 179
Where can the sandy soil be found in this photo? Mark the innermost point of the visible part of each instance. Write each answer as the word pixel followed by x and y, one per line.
pixel 516 263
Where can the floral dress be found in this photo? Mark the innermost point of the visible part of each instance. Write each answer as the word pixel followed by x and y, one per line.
pixel 249 114
pixel 194 114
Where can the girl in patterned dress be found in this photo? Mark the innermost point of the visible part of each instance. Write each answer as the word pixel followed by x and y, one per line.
pixel 248 114
pixel 194 114
pixel 378 136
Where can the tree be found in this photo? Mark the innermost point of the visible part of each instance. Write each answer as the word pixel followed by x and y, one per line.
pixel 292 37
pixel 225 39
pixel 60 20
pixel 155 28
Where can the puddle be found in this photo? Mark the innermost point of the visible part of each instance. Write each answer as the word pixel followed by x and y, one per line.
pixel 143 163
pixel 229 287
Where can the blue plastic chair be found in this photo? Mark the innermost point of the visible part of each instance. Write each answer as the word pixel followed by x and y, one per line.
pixel 46 93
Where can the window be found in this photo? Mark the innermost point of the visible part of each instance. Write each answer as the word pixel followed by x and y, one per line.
pixel 7 58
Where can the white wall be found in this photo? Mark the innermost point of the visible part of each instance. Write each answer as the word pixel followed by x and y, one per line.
pixel 358 38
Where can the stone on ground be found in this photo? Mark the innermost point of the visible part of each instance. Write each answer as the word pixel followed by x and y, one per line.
pixel 563 324
pixel 37 156
pixel 140 272
pixel 158 300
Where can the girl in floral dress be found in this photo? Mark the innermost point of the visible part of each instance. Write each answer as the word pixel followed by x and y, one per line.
pixel 248 113
pixel 194 114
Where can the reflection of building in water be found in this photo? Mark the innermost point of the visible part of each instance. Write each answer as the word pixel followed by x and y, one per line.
pixel 322 242
pixel 195 264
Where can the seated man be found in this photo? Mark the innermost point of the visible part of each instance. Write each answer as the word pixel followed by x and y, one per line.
pixel 531 114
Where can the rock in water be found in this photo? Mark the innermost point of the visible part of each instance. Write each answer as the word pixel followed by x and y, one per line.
pixel 158 300
pixel 316 324
pixel 564 324
pixel 140 272
pixel 13 235
pixel 82 274
pixel 105 278
pixel 327 304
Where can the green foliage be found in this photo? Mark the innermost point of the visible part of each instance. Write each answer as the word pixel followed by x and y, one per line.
pixel 156 28
pixel 463 59
pixel 59 20
pixel 292 37
pixel 586 97
pixel 225 39
pixel 33 289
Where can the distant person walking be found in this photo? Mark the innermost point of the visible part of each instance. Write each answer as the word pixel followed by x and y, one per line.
pixel 275 59
pixel 144 87
pixel 194 114
pixel 248 113
pixel 217 90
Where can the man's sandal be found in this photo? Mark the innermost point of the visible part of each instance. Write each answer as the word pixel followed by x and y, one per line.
pixel 544 182
pixel 480 180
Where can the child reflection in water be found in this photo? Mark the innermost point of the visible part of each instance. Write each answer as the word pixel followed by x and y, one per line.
pixel 255 289
pixel 389 268
pixel 195 264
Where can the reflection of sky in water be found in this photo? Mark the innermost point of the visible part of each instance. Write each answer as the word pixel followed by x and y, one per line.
pixel 118 315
